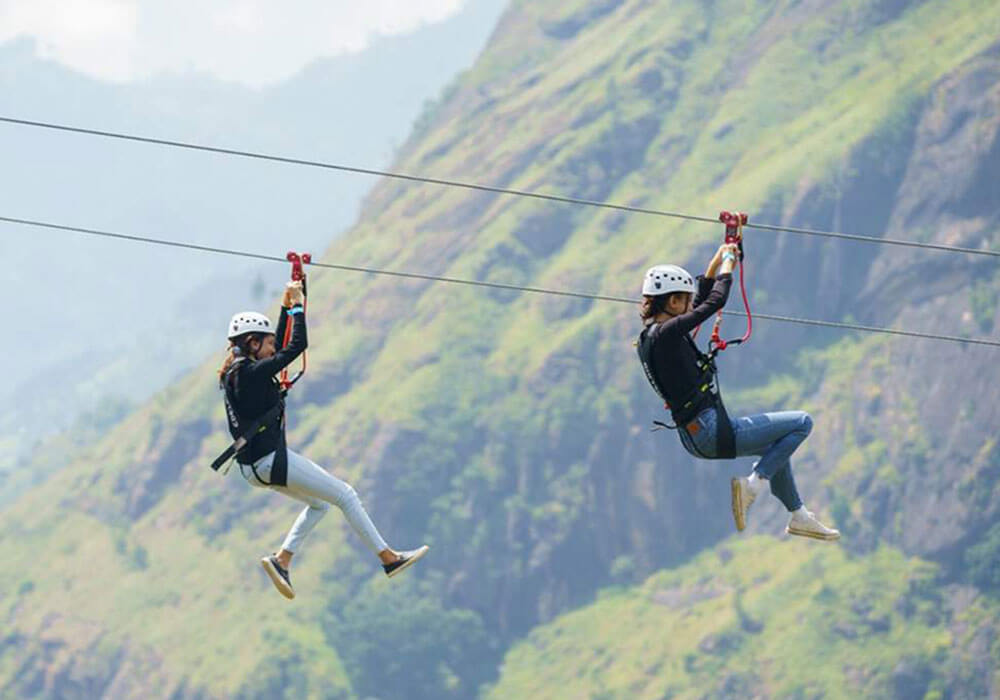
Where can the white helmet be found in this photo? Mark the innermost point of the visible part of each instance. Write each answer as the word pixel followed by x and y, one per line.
pixel 665 279
pixel 249 322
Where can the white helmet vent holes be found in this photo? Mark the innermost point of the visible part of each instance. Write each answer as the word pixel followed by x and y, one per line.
pixel 666 279
pixel 249 322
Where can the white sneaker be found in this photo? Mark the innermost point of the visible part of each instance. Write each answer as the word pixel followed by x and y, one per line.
pixel 804 524
pixel 743 497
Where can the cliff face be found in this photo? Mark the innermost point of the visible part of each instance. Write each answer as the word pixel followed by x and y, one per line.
pixel 933 410
pixel 510 430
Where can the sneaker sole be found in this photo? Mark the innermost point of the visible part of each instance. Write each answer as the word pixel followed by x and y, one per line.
pixel 812 535
pixel 737 501
pixel 279 583
pixel 410 562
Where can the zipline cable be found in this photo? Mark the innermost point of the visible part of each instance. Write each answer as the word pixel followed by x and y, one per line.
pixel 486 188
pixel 478 283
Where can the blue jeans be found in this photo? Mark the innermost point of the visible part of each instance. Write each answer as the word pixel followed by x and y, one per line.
pixel 771 436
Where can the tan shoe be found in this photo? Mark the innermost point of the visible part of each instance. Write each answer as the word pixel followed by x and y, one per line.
pixel 278 575
pixel 743 498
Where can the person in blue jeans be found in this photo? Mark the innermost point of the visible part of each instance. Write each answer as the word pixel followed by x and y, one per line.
pixel 673 306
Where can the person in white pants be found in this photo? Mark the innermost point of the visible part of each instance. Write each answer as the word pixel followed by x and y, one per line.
pixel 318 489
pixel 255 412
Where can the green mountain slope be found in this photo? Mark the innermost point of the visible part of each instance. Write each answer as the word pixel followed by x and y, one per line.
pixel 755 620
pixel 509 430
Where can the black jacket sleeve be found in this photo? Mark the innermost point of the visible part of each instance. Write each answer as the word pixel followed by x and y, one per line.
pixel 279 334
pixel 705 285
pixel 713 301
pixel 284 357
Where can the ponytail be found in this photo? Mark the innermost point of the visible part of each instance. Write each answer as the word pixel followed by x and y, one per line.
pixel 238 347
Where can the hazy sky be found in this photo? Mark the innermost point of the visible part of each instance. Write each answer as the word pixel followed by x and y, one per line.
pixel 254 42
pixel 352 107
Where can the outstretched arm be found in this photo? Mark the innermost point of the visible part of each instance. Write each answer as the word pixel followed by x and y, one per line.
pixel 719 264
pixel 279 334
pixel 286 304
pixel 292 311
pixel 713 302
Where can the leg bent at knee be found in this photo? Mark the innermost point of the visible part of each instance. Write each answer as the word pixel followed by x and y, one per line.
pixel 346 496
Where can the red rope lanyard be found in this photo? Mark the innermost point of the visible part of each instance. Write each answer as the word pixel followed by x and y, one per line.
pixel 734 221
pixel 298 275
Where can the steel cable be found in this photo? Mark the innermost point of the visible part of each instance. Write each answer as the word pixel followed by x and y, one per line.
pixel 478 283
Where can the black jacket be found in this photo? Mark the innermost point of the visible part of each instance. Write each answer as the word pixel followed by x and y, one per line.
pixel 253 389
pixel 673 356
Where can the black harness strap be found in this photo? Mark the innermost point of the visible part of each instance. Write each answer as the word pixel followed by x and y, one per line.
pixel 276 414
pixel 725 436
pixel 257 426
pixel 704 395
pixel 279 467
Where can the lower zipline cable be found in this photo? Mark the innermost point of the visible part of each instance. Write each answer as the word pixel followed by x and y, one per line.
pixel 478 283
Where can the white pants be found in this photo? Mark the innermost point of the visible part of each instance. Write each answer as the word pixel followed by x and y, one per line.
pixel 318 489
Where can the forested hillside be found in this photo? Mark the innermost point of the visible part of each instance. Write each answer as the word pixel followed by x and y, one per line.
pixel 574 553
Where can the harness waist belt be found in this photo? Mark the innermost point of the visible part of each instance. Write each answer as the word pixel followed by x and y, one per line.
pixel 241 442
pixel 697 401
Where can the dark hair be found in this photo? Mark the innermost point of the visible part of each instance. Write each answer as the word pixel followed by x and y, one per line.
pixel 652 306
pixel 238 346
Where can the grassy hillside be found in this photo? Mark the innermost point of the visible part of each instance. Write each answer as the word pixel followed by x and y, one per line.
pixel 760 618
pixel 509 430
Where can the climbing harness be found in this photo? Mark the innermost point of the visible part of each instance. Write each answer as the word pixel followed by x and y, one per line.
pixel 698 399
pixel 704 395
pixel 275 413
pixel 273 417
pixel 298 275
